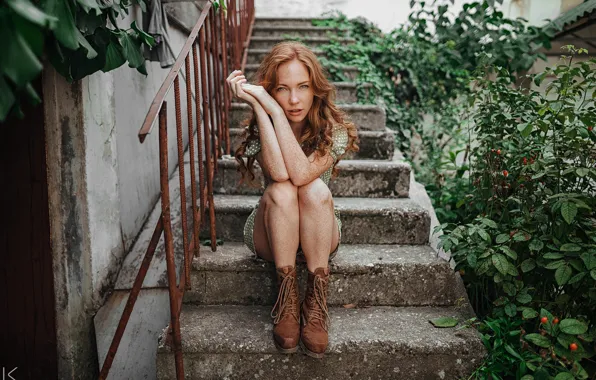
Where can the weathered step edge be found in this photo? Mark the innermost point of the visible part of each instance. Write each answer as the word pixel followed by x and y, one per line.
pixel 356 178
pixel 374 145
pixel 364 220
pixel 361 275
pixel 367 117
pixel 235 342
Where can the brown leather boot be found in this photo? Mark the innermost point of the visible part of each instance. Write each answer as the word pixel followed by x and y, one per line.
pixel 315 315
pixel 285 313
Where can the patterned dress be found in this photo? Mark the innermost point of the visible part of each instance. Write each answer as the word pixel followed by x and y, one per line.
pixel 338 147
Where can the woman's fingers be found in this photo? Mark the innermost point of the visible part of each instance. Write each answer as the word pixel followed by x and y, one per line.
pixel 232 82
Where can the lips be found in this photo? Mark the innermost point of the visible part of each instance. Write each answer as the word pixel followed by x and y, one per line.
pixel 295 112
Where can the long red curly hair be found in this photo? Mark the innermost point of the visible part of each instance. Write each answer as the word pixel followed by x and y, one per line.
pixel 322 116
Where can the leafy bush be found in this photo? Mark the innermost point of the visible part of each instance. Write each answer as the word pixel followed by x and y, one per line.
pixel 421 73
pixel 532 241
pixel 75 36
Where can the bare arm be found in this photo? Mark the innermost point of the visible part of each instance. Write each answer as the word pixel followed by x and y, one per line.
pixel 270 158
pixel 301 169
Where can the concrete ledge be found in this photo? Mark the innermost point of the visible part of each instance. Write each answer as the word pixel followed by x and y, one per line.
pixel 360 274
pixel 287 21
pixel 255 56
pixel 357 178
pixel 284 30
pixel 267 42
pixel 374 145
pixel 366 117
pixel 235 342
pixel 365 221
pixel 349 72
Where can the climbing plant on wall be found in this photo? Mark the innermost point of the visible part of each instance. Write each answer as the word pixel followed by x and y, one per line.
pixel 78 37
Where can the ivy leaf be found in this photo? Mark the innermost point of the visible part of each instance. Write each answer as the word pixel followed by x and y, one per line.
pixel 500 262
pixel 529 313
pixel 524 298
pixel 484 235
pixel 527 265
pixel 502 238
pixel 443 322
pixel 509 252
pixel 66 31
pixel 563 274
pixel 91 53
pixel 589 260
pixel 569 211
pixel 537 339
pixel 553 256
pixel 29 11
pixel 511 309
pixel 564 376
pixel 536 245
pixel 114 56
pixel 573 326
pixel 132 50
pixel 148 39
pixel 554 264
pixel 489 223
pixel 570 247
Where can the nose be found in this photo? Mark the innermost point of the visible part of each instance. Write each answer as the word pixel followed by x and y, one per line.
pixel 294 97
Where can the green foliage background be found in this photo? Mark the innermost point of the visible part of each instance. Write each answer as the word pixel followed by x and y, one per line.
pixel 78 37
pixel 511 172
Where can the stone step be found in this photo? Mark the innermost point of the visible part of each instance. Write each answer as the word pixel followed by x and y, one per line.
pixel 374 145
pixel 367 117
pixel 287 21
pixel 293 31
pixel 365 220
pixel 235 342
pixel 255 56
pixel 349 72
pixel 267 42
pixel 356 178
pixel 364 275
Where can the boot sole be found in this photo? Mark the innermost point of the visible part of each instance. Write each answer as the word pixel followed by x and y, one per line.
pixel 285 350
pixel 310 353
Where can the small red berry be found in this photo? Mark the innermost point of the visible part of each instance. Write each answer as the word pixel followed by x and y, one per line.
pixel 590 128
pixel 498 151
pixel 573 347
pixel 544 320
pixel 505 173
pixel 555 321
pixel 521 186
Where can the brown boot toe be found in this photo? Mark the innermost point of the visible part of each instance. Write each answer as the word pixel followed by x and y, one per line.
pixel 285 313
pixel 315 314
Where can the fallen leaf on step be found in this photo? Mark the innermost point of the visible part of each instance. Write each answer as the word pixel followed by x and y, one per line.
pixel 443 322
pixel 350 306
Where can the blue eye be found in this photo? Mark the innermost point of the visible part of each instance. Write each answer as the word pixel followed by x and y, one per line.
pixel 304 86
pixel 280 89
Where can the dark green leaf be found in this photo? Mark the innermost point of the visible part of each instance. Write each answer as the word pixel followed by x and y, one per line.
pixel 529 313
pixel 538 340
pixel 553 256
pixel 114 56
pixel 500 262
pixel 524 298
pixel 444 322
pixel 29 11
pixel 65 31
pixel 564 376
pixel 6 100
pixel 18 60
pixel 502 238
pixel 563 274
pixel 132 50
pixel 568 211
pixel 573 326
pixel 527 265
pixel 570 247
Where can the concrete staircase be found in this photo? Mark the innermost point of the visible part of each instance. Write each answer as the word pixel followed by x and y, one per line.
pixel 386 281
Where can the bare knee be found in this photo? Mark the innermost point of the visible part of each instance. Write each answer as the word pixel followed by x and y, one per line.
pixel 281 194
pixel 315 194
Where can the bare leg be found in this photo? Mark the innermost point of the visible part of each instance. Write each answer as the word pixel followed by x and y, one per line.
pixel 276 233
pixel 319 233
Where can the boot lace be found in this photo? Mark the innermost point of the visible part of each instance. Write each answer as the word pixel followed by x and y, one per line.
pixel 286 301
pixel 319 310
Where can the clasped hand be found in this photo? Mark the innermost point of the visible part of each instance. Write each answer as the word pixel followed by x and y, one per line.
pixel 254 95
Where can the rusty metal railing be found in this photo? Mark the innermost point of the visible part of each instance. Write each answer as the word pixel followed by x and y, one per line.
pixel 223 40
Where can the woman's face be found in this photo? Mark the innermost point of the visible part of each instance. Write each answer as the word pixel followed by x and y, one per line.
pixel 294 92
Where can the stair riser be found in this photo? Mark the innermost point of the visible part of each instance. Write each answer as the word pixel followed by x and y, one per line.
pixel 283 32
pixel 268 44
pixel 373 145
pixel 257 57
pixel 379 364
pixel 287 22
pixel 351 182
pixel 413 285
pixel 365 119
pixel 350 74
pixel 388 227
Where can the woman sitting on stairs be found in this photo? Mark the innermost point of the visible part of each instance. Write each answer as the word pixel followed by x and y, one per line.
pixel 297 134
